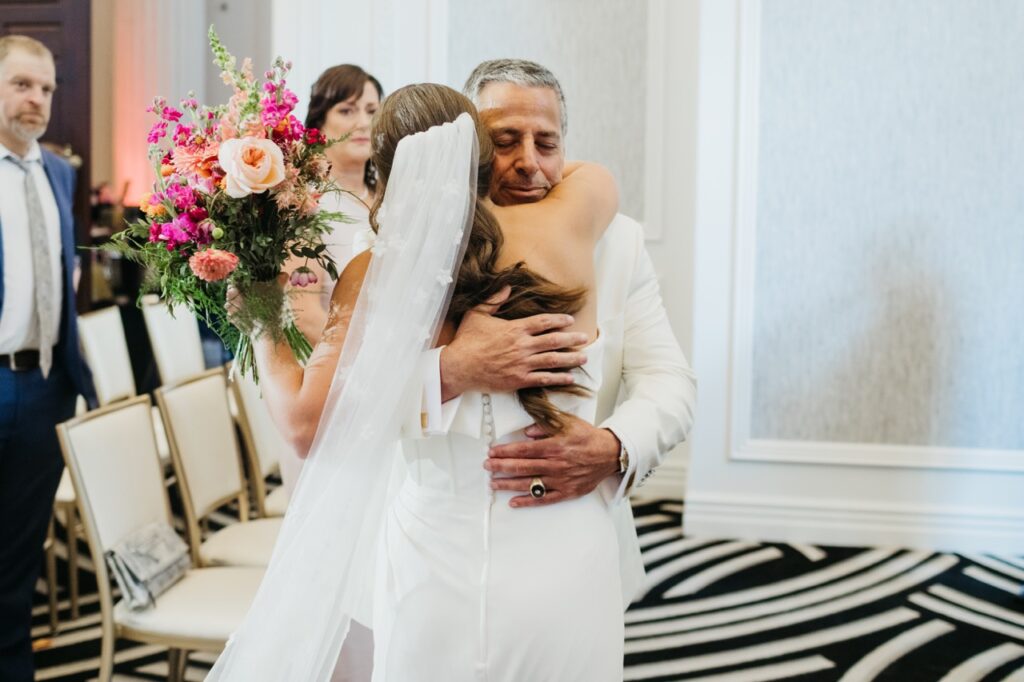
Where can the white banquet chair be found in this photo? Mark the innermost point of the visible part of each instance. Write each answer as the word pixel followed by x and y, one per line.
pixel 106 353
pixel 208 466
pixel 174 338
pixel 264 445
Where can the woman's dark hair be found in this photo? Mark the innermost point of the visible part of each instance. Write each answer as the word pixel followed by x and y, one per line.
pixel 337 84
pixel 416 108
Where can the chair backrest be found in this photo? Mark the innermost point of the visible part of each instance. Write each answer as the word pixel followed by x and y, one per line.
pixel 204 448
pixel 177 347
pixel 115 467
pixel 106 352
pixel 264 445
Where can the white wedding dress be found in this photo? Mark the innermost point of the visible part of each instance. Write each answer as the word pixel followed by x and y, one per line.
pixel 469 589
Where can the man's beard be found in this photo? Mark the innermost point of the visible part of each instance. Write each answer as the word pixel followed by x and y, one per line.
pixel 28 133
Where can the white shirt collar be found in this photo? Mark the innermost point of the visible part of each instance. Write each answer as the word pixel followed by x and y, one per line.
pixel 33 153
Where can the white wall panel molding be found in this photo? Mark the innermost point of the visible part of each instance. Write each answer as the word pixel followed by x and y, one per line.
pixel 659 117
pixel 839 521
pixel 399 42
pixel 877 455
pixel 744 447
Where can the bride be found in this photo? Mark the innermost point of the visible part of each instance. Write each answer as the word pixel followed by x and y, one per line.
pixel 456 585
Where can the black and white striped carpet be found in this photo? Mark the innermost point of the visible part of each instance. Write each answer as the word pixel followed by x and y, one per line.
pixel 737 611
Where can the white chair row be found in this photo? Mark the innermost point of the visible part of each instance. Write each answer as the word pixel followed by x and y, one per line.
pixel 115 466
pixel 177 348
pixel 204 443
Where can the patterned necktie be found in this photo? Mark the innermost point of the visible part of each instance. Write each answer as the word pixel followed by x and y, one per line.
pixel 45 313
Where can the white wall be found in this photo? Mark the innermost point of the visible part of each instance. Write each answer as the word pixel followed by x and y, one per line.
pixel 145 48
pixel 756 477
pixel 244 28
pixel 102 66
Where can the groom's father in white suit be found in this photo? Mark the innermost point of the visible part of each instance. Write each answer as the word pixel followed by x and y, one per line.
pixel 645 406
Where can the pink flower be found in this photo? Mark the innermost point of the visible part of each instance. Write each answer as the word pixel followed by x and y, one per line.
pixel 171 234
pixel 183 133
pixel 170 114
pixel 157 132
pixel 213 265
pixel 289 128
pixel 182 196
pixel 302 277
pixel 196 161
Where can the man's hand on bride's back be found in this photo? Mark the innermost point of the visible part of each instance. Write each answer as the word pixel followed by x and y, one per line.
pixel 490 354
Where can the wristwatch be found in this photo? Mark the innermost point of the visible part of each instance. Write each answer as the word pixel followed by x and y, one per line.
pixel 623 459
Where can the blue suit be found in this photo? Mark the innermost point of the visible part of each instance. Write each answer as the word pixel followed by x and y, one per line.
pixel 30 459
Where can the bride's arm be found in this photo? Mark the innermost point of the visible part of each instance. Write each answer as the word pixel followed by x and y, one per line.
pixel 295 396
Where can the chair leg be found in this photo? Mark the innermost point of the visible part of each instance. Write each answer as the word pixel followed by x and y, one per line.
pixel 71 517
pixel 106 671
pixel 172 664
pixel 51 576
pixel 176 661
pixel 182 665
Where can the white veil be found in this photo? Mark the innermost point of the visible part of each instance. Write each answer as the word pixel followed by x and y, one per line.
pixel 321 574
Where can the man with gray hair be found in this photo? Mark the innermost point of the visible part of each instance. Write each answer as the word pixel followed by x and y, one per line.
pixel 41 368
pixel 645 406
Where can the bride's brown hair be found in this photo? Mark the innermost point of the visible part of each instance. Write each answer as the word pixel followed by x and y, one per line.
pixel 416 108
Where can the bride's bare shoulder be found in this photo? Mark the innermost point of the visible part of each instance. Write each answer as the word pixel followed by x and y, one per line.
pixel 583 203
pixel 346 289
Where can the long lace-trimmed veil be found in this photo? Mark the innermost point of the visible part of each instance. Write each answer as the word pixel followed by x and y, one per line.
pixel 321 574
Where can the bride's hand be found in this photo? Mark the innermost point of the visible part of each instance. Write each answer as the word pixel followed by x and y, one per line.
pixel 234 300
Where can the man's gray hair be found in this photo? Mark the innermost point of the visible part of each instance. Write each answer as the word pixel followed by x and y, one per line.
pixel 518 72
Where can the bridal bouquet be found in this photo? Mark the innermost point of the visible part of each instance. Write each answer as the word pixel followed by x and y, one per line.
pixel 236 195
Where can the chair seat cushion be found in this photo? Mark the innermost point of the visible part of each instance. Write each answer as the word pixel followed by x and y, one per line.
pixel 241 544
pixel 206 604
pixel 276 502
pixel 66 490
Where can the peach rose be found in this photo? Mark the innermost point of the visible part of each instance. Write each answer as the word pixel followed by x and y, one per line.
pixel 251 165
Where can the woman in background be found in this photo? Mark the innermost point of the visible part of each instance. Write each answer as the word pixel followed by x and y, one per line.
pixel 341 102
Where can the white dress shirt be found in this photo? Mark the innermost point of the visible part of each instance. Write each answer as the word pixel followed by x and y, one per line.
pixel 18 325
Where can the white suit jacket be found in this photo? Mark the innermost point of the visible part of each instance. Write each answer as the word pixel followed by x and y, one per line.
pixel 648 394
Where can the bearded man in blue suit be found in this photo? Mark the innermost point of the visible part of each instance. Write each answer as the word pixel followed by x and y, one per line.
pixel 41 368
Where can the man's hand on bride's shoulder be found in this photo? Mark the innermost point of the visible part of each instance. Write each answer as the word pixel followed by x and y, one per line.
pixel 491 354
